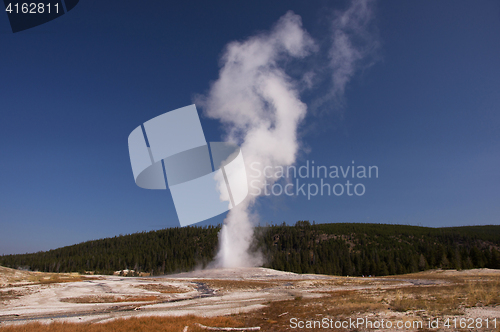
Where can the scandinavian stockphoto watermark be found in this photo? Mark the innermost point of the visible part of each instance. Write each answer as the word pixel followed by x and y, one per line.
pixel 209 178
pixel 205 178
pixel 310 179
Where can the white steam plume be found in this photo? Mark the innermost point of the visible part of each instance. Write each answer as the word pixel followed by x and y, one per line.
pixel 352 41
pixel 354 45
pixel 260 108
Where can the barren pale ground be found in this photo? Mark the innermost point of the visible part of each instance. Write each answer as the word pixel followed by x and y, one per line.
pixel 251 297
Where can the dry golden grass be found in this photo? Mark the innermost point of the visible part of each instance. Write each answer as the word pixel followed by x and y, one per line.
pixel 150 324
pixel 450 296
pixel 13 278
pixel 436 300
pixel 433 300
pixel 450 275
pixel 53 278
pixel 276 316
pixel 347 281
pixel 9 295
pixel 110 299
pixel 445 299
pixel 164 289
pixel 482 293
pixel 237 285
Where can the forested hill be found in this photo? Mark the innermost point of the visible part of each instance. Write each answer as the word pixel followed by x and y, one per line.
pixel 338 249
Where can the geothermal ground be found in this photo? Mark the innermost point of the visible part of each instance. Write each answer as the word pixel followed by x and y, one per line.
pixel 255 297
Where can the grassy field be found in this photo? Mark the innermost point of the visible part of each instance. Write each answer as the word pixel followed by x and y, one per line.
pixel 132 324
pixel 432 294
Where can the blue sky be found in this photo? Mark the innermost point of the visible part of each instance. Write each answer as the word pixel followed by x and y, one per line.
pixel 427 113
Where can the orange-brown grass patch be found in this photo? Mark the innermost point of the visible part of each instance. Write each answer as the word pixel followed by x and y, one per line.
pixel 444 299
pixel 150 324
pixel 437 300
pixel 110 299
pixel 450 275
pixel 431 300
pixel 482 293
pixel 17 278
pixel 236 285
pixel 54 278
pixel 347 281
pixel 276 316
pixel 164 289
pixel 9 295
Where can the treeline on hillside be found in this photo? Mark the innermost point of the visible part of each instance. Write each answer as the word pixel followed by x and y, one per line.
pixel 375 249
pixel 156 252
pixel 337 249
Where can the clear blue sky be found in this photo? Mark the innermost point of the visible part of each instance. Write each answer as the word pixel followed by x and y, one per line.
pixel 71 90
